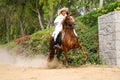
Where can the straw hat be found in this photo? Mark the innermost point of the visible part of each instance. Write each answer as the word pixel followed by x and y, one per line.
pixel 62 9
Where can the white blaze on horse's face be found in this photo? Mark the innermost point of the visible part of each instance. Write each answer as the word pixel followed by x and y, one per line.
pixel 72 19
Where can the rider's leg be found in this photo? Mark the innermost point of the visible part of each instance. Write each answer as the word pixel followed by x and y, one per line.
pixel 75 33
pixel 52 43
pixel 57 30
pixel 55 40
pixel 54 37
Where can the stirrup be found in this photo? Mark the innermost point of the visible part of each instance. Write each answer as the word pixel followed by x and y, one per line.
pixel 58 46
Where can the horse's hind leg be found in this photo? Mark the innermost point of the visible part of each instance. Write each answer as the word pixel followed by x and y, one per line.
pixel 58 55
pixel 51 55
pixel 51 50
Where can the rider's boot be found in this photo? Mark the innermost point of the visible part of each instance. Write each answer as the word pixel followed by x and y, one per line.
pixel 53 43
pixel 58 46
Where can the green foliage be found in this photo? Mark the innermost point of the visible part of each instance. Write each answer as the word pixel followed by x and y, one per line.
pixel 118 6
pixel 39 42
pixel 91 18
pixel 90 42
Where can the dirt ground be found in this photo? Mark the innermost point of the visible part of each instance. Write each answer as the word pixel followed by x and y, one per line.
pixel 10 72
pixel 22 68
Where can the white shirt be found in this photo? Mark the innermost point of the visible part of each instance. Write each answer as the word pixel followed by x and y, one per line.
pixel 58 19
pixel 58 26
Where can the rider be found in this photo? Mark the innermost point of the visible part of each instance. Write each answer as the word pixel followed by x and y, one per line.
pixel 62 13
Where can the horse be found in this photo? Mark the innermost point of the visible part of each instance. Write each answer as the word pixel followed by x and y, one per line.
pixel 66 40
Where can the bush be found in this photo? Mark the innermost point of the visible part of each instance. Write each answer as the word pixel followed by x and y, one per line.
pixel 35 44
pixel 38 44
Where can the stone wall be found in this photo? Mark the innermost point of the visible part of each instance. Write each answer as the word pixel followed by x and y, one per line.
pixel 109 38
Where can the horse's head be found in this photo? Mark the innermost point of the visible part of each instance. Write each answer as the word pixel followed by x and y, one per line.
pixel 69 20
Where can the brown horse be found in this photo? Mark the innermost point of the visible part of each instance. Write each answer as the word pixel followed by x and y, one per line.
pixel 68 40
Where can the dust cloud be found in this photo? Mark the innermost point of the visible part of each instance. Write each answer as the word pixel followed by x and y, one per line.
pixel 37 61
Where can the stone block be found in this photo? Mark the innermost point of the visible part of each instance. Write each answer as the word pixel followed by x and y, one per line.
pixel 118 61
pixel 118 53
pixel 118 35
pixel 117 24
pixel 109 38
pixel 117 45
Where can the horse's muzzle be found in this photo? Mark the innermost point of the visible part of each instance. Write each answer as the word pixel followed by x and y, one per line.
pixel 73 25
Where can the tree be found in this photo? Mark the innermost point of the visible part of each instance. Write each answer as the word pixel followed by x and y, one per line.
pixel 100 3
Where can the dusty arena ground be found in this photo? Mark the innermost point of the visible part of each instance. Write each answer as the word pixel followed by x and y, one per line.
pixel 21 68
pixel 8 72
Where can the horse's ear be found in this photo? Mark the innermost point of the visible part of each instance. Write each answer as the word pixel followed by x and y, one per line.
pixel 67 12
pixel 71 14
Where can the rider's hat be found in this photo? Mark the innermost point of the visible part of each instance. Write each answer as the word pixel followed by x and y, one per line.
pixel 62 9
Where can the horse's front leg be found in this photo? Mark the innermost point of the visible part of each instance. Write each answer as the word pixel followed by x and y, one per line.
pixel 58 54
pixel 66 58
pixel 83 52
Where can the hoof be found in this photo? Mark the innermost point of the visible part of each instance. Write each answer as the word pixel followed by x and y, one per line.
pixel 85 57
pixel 66 66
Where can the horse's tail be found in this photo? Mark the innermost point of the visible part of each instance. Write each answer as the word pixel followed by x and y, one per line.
pixel 51 43
pixel 51 49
